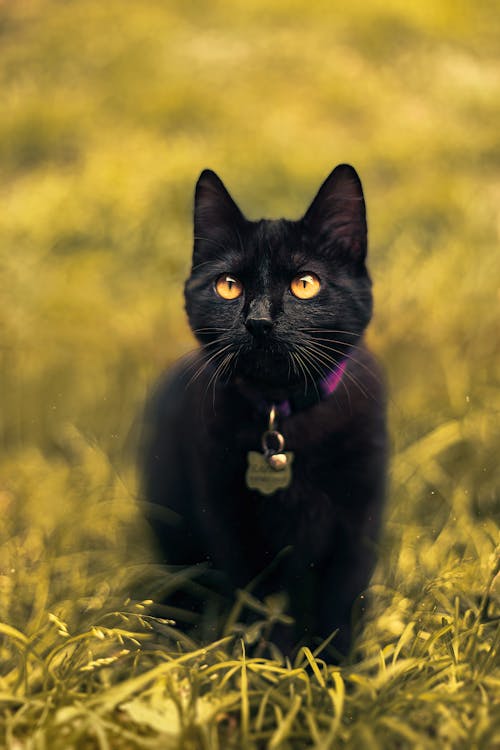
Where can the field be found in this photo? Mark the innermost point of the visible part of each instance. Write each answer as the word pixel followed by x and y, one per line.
pixel 109 111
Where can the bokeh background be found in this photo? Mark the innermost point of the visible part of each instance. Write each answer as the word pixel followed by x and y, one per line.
pixel 109 111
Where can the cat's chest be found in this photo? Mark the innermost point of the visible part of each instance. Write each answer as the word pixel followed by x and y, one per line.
pixel 316 444
pixel 303 514
pixel 300 514
pixel 233 470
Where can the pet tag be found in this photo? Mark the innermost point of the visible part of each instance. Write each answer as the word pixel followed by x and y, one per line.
pixel 270 470
pixel 261 476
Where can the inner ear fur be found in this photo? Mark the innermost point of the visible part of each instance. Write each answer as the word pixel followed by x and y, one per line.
pixel 216 215
pixel 336 218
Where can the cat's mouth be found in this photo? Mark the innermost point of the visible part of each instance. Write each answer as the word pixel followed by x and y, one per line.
pixel 267 364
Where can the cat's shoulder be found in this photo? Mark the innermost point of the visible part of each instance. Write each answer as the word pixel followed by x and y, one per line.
pixel 365 379
pixel 365 361
pixel 168 394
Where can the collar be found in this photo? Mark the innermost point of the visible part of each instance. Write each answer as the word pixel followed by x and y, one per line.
pixel 300 401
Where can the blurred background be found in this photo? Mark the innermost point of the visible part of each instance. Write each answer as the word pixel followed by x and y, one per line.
pixel 109 111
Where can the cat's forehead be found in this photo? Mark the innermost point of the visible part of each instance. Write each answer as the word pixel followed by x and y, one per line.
pixel 273 243
pixel 276 233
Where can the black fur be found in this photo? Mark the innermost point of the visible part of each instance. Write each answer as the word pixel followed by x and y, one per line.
pixel 212 408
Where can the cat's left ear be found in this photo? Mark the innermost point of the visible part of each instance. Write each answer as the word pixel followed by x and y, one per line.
pixel 216 216
pixel 336 219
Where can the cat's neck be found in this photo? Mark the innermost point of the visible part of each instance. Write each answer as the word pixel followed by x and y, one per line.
pixel 290 399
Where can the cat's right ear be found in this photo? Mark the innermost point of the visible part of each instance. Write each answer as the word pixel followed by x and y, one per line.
pixel 216 216
pixel 337 216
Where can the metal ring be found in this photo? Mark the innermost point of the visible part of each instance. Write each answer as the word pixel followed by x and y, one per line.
pixel 268 449
pixel 272 419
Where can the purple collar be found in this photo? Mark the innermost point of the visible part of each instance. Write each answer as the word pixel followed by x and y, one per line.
pixel 330 382
pixel 326 387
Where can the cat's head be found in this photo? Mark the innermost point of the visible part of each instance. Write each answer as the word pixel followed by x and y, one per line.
pixel 279 302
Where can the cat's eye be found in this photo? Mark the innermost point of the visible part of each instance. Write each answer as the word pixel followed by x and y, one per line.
pixel 305 285
pixel 228 287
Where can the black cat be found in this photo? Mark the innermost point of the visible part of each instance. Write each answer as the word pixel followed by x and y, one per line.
pixel 279 308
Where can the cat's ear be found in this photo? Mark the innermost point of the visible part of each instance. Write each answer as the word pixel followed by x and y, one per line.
pixel 336 219
pixel 216 215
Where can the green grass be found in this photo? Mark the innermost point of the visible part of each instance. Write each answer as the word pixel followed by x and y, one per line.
pixel 109 113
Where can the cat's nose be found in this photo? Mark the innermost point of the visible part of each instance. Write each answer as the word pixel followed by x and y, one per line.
pixel 258 327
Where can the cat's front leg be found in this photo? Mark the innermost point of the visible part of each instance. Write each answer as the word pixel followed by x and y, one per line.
pixel 344 576
pixel 343 583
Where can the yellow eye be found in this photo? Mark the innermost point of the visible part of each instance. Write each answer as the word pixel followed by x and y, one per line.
pixel 305 285
pixel 228 287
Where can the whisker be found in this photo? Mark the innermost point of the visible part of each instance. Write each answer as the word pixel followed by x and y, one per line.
pixel 211 241
pixel 226 367
pixel 325 359
pixel 218 340
pixel 203 354
pixel 316 356
pixel 354 347
pixel 227 363
pixel 298 362
pixel 313 358
pixel 209 262
pixel 357 383
pixel 294 364
pixel 207 362
pixel 320 331
pixel 234 362
pixel 210 329
pixel 348 356
pixel 218 371
pixel 301 358
pixel 188 366
pixel 334 341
